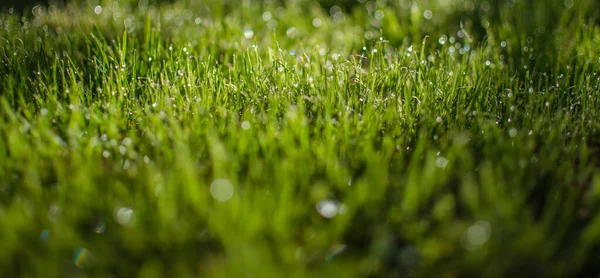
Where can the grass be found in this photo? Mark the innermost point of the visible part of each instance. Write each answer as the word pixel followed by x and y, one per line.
pixel 244 139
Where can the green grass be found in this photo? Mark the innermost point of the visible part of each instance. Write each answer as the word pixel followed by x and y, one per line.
pixel 465 145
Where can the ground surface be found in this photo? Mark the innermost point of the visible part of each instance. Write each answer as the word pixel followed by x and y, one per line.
pixel 246 139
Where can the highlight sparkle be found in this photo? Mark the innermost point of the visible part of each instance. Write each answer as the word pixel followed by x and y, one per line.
pixel 82 257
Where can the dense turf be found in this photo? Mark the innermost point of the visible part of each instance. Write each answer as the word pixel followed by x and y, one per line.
pixel 244 139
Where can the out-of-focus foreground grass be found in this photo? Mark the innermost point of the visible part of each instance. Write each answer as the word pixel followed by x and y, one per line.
pixel 300 139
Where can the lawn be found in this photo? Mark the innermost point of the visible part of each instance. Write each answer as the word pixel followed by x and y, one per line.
pixel 299 138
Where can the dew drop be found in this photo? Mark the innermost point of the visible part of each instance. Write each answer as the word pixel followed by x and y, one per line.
pixel 428 14
pixel 476 235
pixel 291 32
pixel 246 125
pixel 248 34
pixel 124 216
pixel 327 208
pixel 99 227
pixel 442 40
pixel 221 189
pixel 266 16
pixel 441 162
pixel 316 22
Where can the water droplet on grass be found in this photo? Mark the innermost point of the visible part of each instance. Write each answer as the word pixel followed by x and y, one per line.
pixel 266 16
pixel 124 216
pixel 427 14
pixel 127 141
pixel 53 212
pixel 246 125
pixel 441 162
pixel 291 32
pixel 442 40
pixel 327 208
pixel 221 189
pixel 316 22
pixel 99 227
pixel 248 34
pixel 476 235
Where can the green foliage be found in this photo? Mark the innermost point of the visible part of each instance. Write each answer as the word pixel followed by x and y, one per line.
pixel 230 139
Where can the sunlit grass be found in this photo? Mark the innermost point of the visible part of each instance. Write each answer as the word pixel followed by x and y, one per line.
pixel 436 138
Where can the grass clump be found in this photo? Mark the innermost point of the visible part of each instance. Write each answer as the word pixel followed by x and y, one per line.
pixel 426 138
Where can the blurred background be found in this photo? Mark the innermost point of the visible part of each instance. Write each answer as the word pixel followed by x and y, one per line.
pixel 536 32
pixel 398 18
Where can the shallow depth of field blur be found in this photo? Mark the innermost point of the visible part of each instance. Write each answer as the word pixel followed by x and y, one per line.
pixel 300 138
